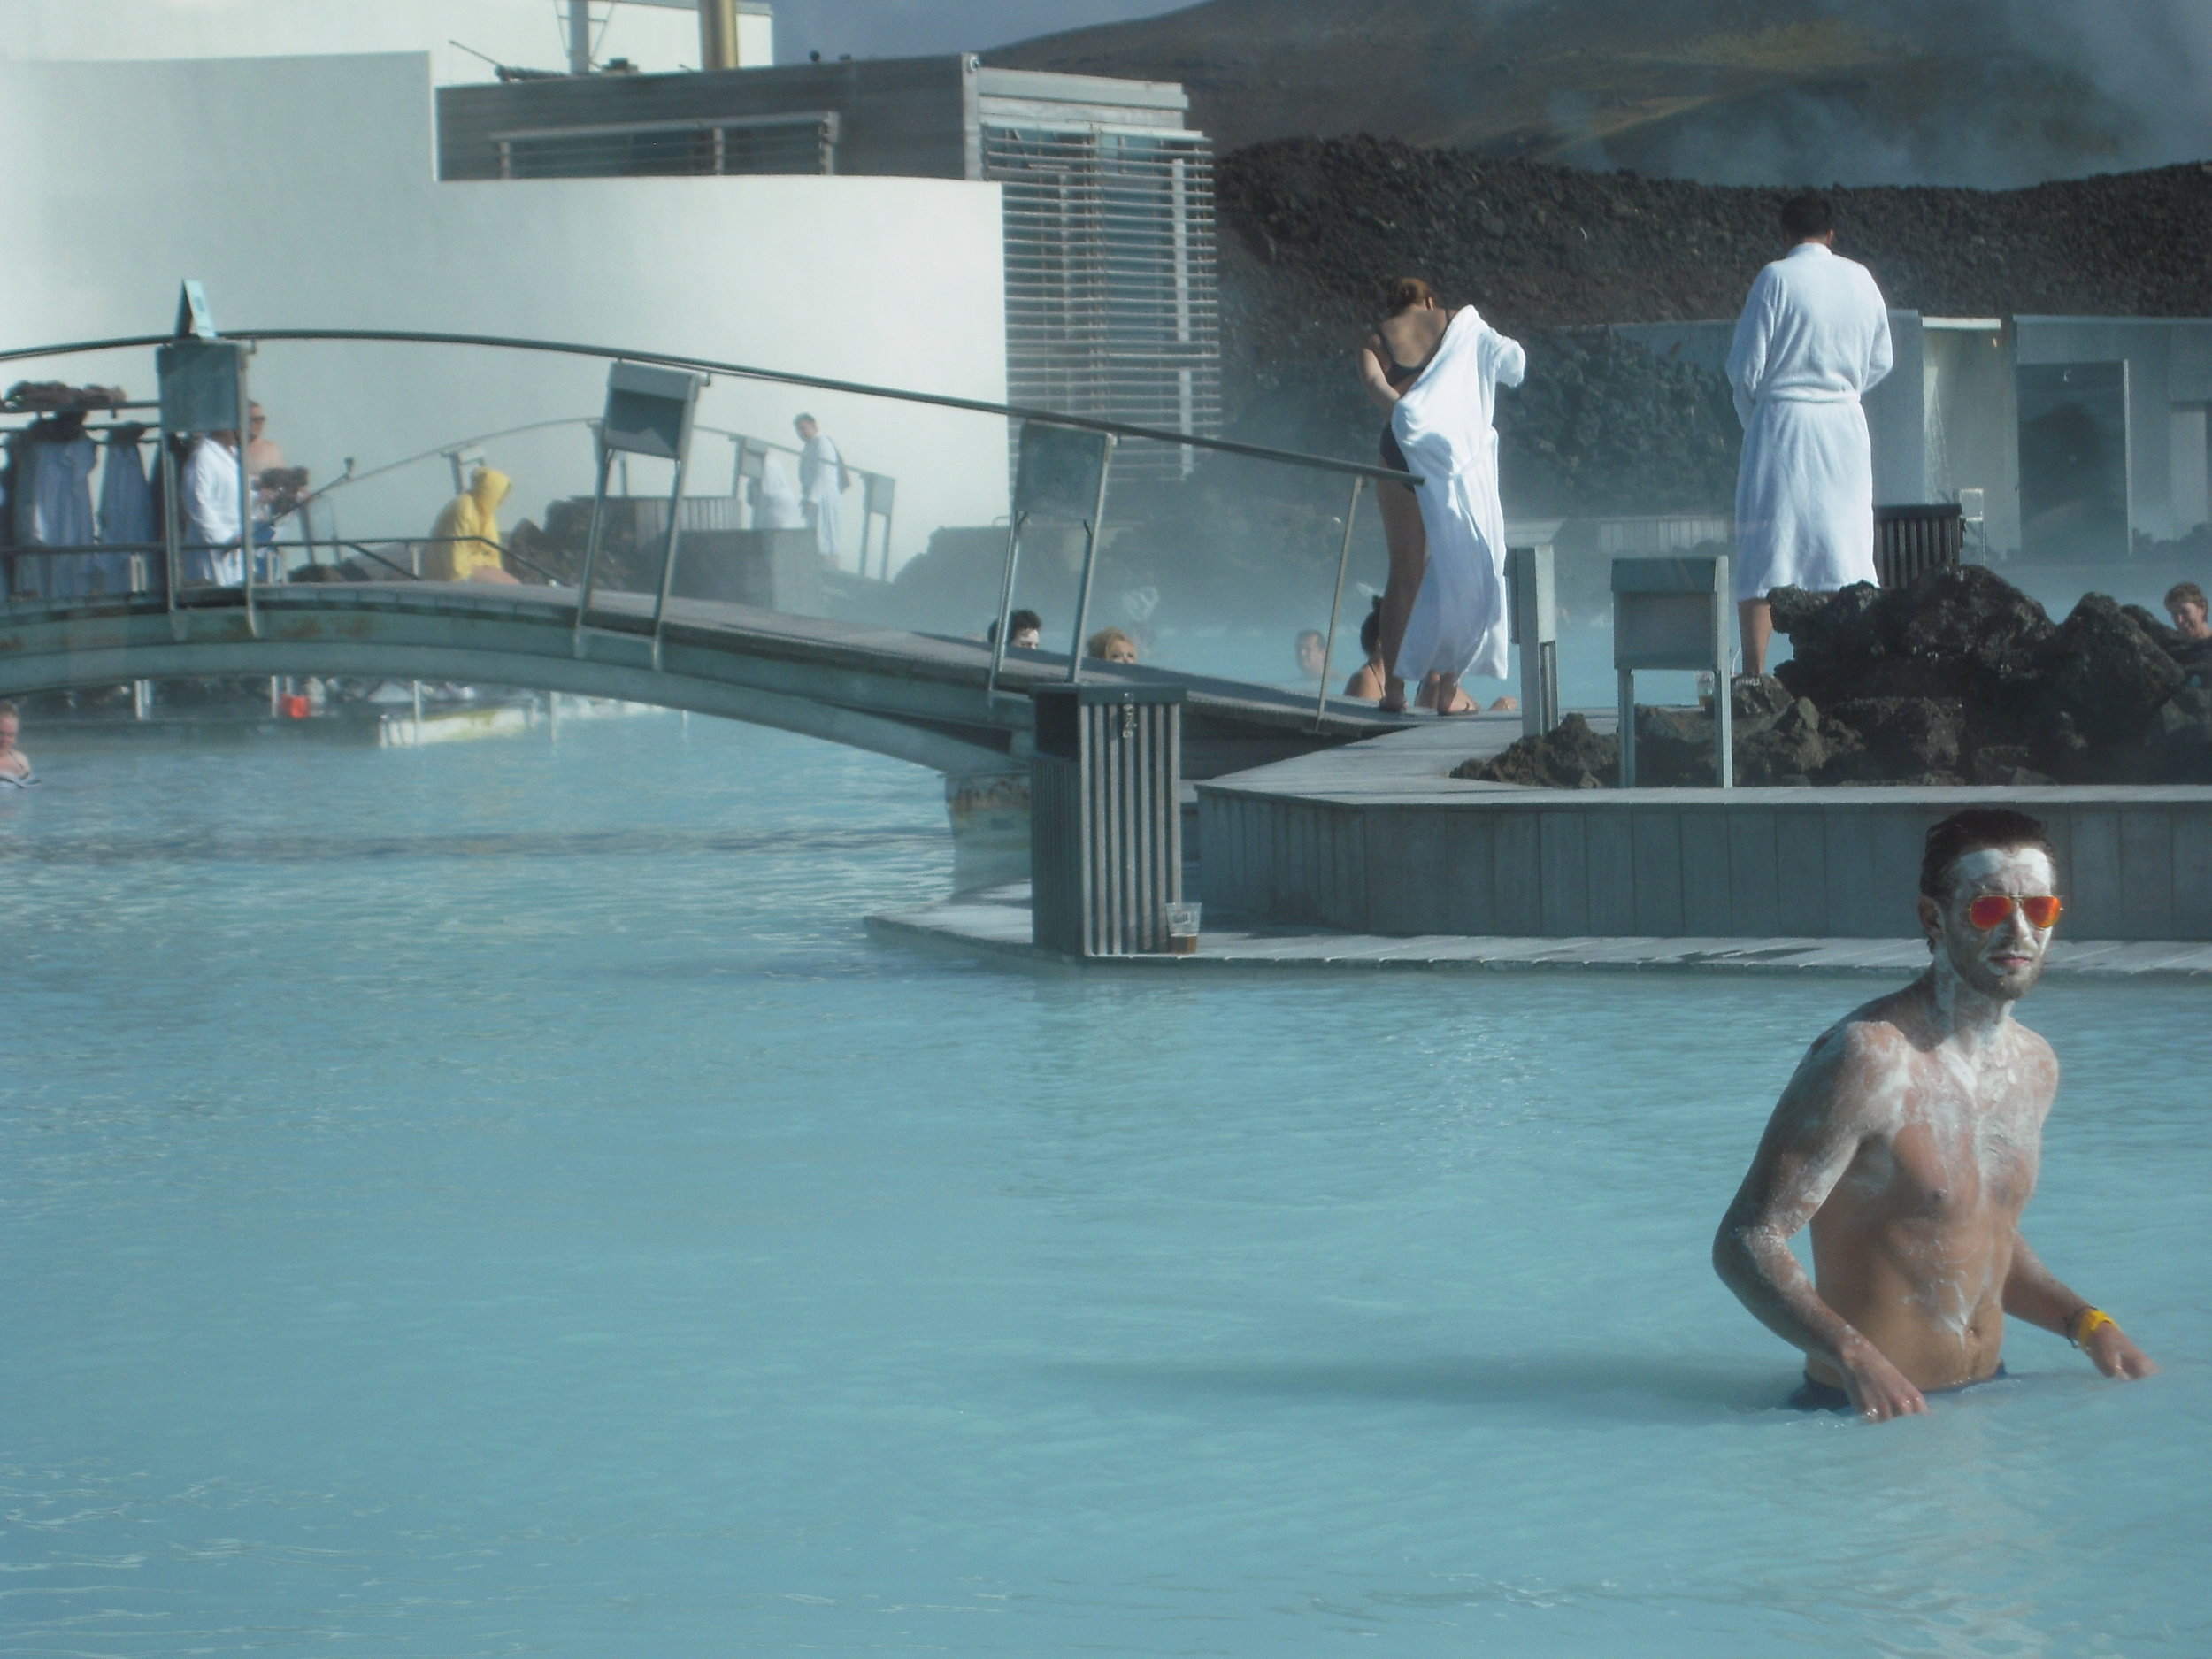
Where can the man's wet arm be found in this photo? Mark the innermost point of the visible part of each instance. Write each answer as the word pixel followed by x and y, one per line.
pixel 2035 1294
pixel 1809 1142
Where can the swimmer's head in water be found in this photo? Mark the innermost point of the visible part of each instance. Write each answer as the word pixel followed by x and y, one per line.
pixel 1989 854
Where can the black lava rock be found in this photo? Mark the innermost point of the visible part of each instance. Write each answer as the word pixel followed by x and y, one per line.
pixel 1963 633
pixel 1897 740
pixel 2101 669
pixel 1778 739
pixel 1571 755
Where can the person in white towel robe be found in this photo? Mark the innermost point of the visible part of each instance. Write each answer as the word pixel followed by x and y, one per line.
pixel 214 537
pixel 822 480
pixel 1443 423
pixel 1814 336
pixel 776 504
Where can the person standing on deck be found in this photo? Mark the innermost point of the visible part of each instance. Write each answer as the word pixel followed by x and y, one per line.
pixel 1909 1141
pixel 214 530
pixel 1398 350
pixel 822 484
pixel 1813 338
pixel 1443 422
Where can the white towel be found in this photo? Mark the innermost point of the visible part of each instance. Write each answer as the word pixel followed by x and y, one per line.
pixel 1443 423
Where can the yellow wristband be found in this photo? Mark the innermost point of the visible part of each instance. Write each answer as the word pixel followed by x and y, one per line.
pixel 2085 1324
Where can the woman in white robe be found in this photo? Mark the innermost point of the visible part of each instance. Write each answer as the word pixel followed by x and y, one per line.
pixel 1443 422
pixel 1814 335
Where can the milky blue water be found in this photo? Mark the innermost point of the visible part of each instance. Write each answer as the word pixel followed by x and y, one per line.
pixel 497 1201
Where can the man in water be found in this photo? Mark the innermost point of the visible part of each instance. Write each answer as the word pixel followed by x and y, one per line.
pixel 2184 603
pixel 1813 337
pixel 1909 1139
pixel 15 765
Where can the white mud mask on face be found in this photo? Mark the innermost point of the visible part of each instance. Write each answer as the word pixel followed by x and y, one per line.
pixel 2023 870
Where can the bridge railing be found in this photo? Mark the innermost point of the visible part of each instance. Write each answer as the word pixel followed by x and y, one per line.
pixel 1213 562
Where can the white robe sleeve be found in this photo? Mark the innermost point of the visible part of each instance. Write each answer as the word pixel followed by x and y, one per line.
pixel 1747 352
pixel 1880 358
pixel 1504 359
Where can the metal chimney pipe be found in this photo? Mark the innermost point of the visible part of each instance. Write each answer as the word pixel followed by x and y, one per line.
pixel 580 37
pixel 718 33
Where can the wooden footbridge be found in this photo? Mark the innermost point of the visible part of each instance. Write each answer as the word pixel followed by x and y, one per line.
pixel 919 697
pixel 934 701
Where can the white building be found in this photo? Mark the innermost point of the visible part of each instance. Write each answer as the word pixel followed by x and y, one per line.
pixel 304 191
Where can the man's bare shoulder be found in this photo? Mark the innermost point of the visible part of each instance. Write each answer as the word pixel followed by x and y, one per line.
pixel 1881 1030
pixel 2037 1063
pixel 1854 1068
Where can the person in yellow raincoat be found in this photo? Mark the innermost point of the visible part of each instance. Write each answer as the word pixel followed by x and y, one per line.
pixel 465 542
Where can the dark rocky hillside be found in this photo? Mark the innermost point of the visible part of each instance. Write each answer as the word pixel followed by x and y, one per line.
pixel 1309 228
pixel 1986 92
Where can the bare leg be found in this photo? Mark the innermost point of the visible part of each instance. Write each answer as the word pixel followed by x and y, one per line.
pixel 1755 618
pixel 1408 544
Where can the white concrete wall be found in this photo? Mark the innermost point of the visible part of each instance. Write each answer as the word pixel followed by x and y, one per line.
pixel 300 191
pixel 655 35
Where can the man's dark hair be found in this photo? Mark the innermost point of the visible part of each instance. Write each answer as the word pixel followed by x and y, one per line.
pixel 1015 622
pixel 1371 628
pixel 1403 293
pixel 1807 213
pixel 2183 594
pixel 1978 829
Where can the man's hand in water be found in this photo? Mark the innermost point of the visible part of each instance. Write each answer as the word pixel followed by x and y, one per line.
pixel 2110 1351
pixel 1879 1390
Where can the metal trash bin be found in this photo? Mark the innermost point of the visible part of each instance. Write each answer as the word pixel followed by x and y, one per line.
pixel 1106 821
pixel 1910 540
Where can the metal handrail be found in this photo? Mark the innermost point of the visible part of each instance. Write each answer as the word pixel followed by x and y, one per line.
pixel 1360 472
pixel 740 371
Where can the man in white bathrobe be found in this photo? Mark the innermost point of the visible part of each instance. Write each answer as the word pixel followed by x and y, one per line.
pixel 1442 421
pixel 822 480
pixel 214 531
pixel 1814 336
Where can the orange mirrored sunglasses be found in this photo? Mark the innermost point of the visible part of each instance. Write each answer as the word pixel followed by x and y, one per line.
pixel 1991 908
